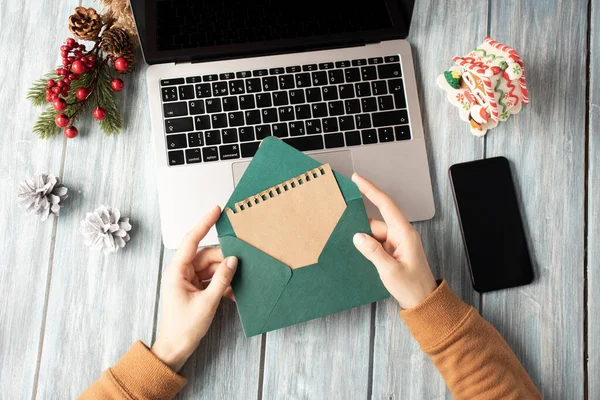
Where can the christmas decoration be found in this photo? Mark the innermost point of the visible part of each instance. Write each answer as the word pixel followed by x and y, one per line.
pixel 85 81
pixel 105 229
pixel 487 85
pixel 119 13
pixel 42 195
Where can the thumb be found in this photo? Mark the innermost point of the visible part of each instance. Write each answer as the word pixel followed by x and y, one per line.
pixel 222 278
pixel 374 252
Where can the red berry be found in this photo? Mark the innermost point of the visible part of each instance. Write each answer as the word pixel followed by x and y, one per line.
pixel 63 72
pixel 82 47
pixel 65 62
pixel 61 120
pixel 71 58
pixel 92 59
pixel 70 131
pixel 53 97
pixel 49 98
pixel 57 72
pixel 60 84
pixel 59 104
pixel 67 87
pixel 64 48
pixel 67 81
pixel 73 77
pixel 77 53
pixel 71 42
pixel 56 90
pixel 99 113
pixel 117 84
pixel 82 93
pixel 84 59
pixel 64 54
pixel 78 67
pixel 121 64
pixel 51 83
pixel 48 91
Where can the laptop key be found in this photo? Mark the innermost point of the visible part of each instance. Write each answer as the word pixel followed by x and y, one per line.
pixel 286 113
pixel 336 76
pixel 369 104
pixel 386 134
pixel 176 157
pixel 226 76
pixel 212 137
pixel 219 121
pixel 346 123
pixel 260 72
pixel 394 58
pixel 193 156
pixel 236 87
pixel 213 105
pixel 310 67
pixel 230 103
pixel 203 90
pixel 169 94
pixel 210 154
pixel 306 143
pixel 363 121
pixel 170 82
pixel 262 131
pixel 336 108
pixel 352 106
pixel 247 102
pixel 246 134
pixel 313 127
pixel 297 96
pixel 385 103
pixel 270 83
pixel 193 79
pixel 264 100
pixel 202 122
pixel 176 141
pixel 313 95
pixel 369 136
pixel 302 111
pixel 346 91
pixel 303 80
pixel 376 60
pixel 292 69
pixel 229 151
pixel 296 128
pixel 402 132
pixel 387 71
pixel 280 99
pixel 236 118
pixel 174 125
pixel 334 140
pixel 352 74
pixel 186 92
pixel 379 87
pixel 342 64
pixel 175 109
pixel 363 89
pixel 330 93
pixel 210 78
pixel 352 138
pixel 368 73
pixel 319 110
pixel 220 88
pixel 327 65
pixel 276 71
pixel 280 130
pixel 195 139
pixel 243 74
pixel 269 115
pixel 196 107
pixel 252 117
pixel 249 149
pixel 396 88
pixel 390 118
pixel 330 125
pixel 286 82
pixel 319 78
pixel 253 85
pixel 229 135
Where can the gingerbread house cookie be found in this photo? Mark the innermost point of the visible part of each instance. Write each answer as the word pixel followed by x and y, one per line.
pixel 487 85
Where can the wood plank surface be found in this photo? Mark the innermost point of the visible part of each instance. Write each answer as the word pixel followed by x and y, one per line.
pixel 543 322
pixel 593 208
pixel 100 304
pixel 226 364
pixel 439 31
pixel 29 45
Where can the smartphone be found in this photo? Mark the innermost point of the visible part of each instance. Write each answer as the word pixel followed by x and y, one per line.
pixel 491 226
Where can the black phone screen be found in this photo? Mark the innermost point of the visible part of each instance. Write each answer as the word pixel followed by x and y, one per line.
pixel 491 224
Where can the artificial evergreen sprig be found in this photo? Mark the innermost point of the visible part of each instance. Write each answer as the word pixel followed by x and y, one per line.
pixel 85 78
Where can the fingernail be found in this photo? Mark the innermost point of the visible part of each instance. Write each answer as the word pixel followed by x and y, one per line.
pixel 231 262
pixel 358 239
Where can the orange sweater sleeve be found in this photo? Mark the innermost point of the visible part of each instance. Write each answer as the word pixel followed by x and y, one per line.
pixel 139 374
pixel 470 354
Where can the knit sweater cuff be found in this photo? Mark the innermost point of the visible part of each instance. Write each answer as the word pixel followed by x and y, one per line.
pixel 139 371
pixel 436 317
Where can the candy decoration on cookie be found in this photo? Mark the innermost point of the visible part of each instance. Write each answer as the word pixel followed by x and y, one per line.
pixel 487 85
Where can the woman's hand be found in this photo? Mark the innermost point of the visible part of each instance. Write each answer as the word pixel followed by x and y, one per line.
pixel 397 253
pixel 188 302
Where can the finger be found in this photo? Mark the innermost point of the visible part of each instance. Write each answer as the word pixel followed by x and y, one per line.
pixel 206 257
pixel 389 211
pixel 208 272
pixel 374 252
pixel 222 278
pixel 189 246
pixel 229 294
pixel 379 229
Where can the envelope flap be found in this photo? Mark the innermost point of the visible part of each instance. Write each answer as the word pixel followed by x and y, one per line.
pixel 259 281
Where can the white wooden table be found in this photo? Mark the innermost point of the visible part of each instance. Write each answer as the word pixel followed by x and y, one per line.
pixel 67 313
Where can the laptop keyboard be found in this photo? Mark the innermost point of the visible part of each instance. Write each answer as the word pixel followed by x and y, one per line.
pixel 311 107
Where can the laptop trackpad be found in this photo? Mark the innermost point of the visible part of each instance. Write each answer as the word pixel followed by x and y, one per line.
pixel 340 161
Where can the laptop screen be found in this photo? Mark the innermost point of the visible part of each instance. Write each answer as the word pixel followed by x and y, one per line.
pixel 172 30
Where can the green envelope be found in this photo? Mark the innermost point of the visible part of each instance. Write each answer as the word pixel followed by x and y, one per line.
pixel 269 294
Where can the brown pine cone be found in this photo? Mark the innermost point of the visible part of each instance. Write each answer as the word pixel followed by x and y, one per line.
pixel 116 42
pixel 85 24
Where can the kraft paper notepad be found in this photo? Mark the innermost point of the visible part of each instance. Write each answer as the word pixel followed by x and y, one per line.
pixel 290 221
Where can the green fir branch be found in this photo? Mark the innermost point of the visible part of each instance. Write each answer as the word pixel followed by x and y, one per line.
pixel 37 92
pixel 45 127
pixel 113 122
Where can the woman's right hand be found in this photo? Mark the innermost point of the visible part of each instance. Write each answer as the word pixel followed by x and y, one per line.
pixel 395 249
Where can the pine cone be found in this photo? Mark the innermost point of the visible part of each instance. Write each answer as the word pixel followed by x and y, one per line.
pixel 104 229
pixel 42 195
pixel 116 42
pixel 85 24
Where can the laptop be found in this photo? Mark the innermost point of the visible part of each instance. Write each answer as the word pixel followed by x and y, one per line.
pixel 332 78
